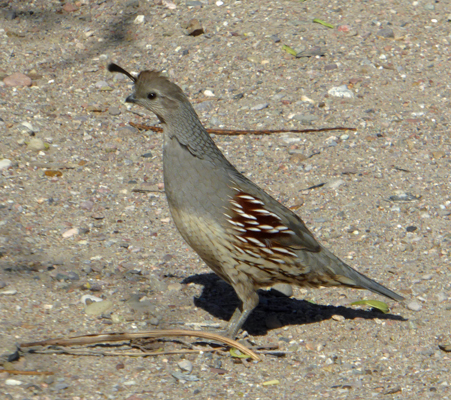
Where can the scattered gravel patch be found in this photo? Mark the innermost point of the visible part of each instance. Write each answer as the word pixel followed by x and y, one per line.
pixel 83 211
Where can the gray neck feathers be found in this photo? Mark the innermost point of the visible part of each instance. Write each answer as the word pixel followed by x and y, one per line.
pixel 185 126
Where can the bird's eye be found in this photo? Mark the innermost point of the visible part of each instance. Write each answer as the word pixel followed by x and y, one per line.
pixel 152 96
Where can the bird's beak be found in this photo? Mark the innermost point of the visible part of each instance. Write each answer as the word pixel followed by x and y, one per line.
pixel 130 99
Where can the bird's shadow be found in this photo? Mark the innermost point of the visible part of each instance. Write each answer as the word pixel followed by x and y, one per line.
pixel 220 300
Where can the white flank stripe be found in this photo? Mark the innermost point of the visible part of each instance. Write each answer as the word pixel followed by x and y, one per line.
pixel 255 241
pixel 248 216
pixel 282 250
pixel 242 239
pixel 268 251
pixel 266 227
pixel 255 201
pixel 253 229
pixel 235 204
pixel 251 253
pixel 261 211
pixel 245 196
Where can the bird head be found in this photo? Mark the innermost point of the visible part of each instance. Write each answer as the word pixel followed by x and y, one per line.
pixel 154 92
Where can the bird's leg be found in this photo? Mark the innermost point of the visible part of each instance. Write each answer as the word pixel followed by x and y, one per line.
pixel 249 302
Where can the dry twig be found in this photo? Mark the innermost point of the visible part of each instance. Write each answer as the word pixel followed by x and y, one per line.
pixel 234 132
pixel 115 337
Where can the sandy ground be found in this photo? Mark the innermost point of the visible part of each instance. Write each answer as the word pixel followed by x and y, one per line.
pixel 83 210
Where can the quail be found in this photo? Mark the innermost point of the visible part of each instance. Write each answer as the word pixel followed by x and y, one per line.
pixel 243 234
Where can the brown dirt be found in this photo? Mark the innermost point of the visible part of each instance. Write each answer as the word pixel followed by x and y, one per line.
pixel 103 228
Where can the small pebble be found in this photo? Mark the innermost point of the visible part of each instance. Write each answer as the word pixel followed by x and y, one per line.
pixel 89 298
pixel 71 232
pixel 169 4
pixel 68 7
pixel 17 79
pixel 441 296
pixel 185 365
pixel 114 111
pixel 192 28
pixel 334 183
pixel 330 67
pixel 13 382
pixel 214 121
pixel 180 376
pixel 260 106
pixel 98 308
pixel 59 386
pixel 5 163
pixel 341 91
pixel 140 19
pixel 413 305
pixel 8 292
pixel 305 119
pixel 386 33
pixel 315 51
pixel 26 127
pixel 100 84
pixel 87 205
pixel 36 144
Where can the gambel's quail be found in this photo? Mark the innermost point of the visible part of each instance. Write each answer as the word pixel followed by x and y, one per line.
pixel 244 235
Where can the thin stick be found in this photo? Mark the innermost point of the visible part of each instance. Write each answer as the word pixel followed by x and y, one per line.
pixel 118 336
pixel 233 132
pixel 120 353
pixel 16 372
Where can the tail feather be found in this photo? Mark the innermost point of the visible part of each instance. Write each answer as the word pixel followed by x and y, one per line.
pixel 361 281
pixel 348 276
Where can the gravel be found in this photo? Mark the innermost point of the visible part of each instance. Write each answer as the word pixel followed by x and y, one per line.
pixel 83 211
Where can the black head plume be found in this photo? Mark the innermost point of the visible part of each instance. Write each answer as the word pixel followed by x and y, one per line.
pixel 115 68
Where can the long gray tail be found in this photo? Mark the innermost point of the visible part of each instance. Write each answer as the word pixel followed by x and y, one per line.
pixel 348 276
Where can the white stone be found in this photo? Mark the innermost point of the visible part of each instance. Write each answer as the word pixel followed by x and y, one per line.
pixel 5 163
pixel 13 382
pixel 414 306
pixel 341 91
pixel 140 19
pixel 27 126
